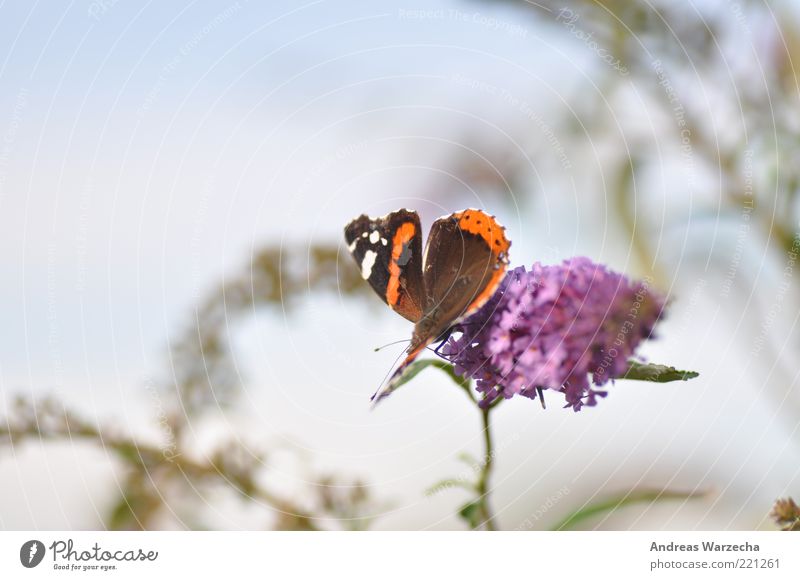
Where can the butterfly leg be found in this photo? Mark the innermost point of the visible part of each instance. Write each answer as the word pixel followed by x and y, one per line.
pixel 540 392
pixel 443 338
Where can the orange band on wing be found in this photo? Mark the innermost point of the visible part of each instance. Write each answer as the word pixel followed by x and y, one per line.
pixel 490 289
pixel 402 236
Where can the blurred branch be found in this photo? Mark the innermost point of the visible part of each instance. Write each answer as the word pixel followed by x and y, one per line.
pixel 786 514
pixel 158 478
pixel 623 187
pixel 640 34
pixel 203 369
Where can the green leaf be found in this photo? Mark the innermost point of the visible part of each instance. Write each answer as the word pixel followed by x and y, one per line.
pixel 418 366
pixel 631 497
pixel 447 484
pixel 471 513
pixel 468 459
pixel 656 373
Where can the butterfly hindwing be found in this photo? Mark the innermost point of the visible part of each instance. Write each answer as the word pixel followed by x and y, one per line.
pixel 388 252
pixel 466 256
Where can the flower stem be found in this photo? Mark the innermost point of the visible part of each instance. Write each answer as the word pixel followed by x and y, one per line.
pixel 483 482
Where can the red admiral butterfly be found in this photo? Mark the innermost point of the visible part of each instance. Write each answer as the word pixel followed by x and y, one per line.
pixel 465 259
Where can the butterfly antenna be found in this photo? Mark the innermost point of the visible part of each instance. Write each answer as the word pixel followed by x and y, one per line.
pixel 388 374
pixel 391 344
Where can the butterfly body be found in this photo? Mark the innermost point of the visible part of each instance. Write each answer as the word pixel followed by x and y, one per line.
pixel 465 259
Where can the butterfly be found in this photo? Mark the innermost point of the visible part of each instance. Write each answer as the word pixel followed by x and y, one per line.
pixel 465 259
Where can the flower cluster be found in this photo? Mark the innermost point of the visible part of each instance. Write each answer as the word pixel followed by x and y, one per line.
pixel 553 327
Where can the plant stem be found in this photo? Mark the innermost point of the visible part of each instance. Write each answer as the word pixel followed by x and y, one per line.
pixel 483 482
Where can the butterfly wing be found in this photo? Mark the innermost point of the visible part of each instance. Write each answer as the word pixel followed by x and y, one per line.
pixel 388 250
pixel 466 257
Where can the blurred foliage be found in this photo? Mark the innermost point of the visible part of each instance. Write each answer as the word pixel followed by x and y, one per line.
pixel 170 480
pixel 204 371
pixel 609 506
pixel 697 52
pixel 162 483
pixel 786 514
pixel 205 376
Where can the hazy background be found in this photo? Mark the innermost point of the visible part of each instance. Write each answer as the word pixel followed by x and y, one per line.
pixel 149 152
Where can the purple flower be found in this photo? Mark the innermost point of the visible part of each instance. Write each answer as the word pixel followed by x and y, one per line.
pixel 552 327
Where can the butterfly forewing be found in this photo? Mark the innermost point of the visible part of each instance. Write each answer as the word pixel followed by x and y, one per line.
pixel 388 251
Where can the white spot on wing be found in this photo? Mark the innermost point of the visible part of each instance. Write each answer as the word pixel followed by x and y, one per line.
pixel 365 234
pixel 352 246
pixel 383 241
pixel 374 237
pixel 367 263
